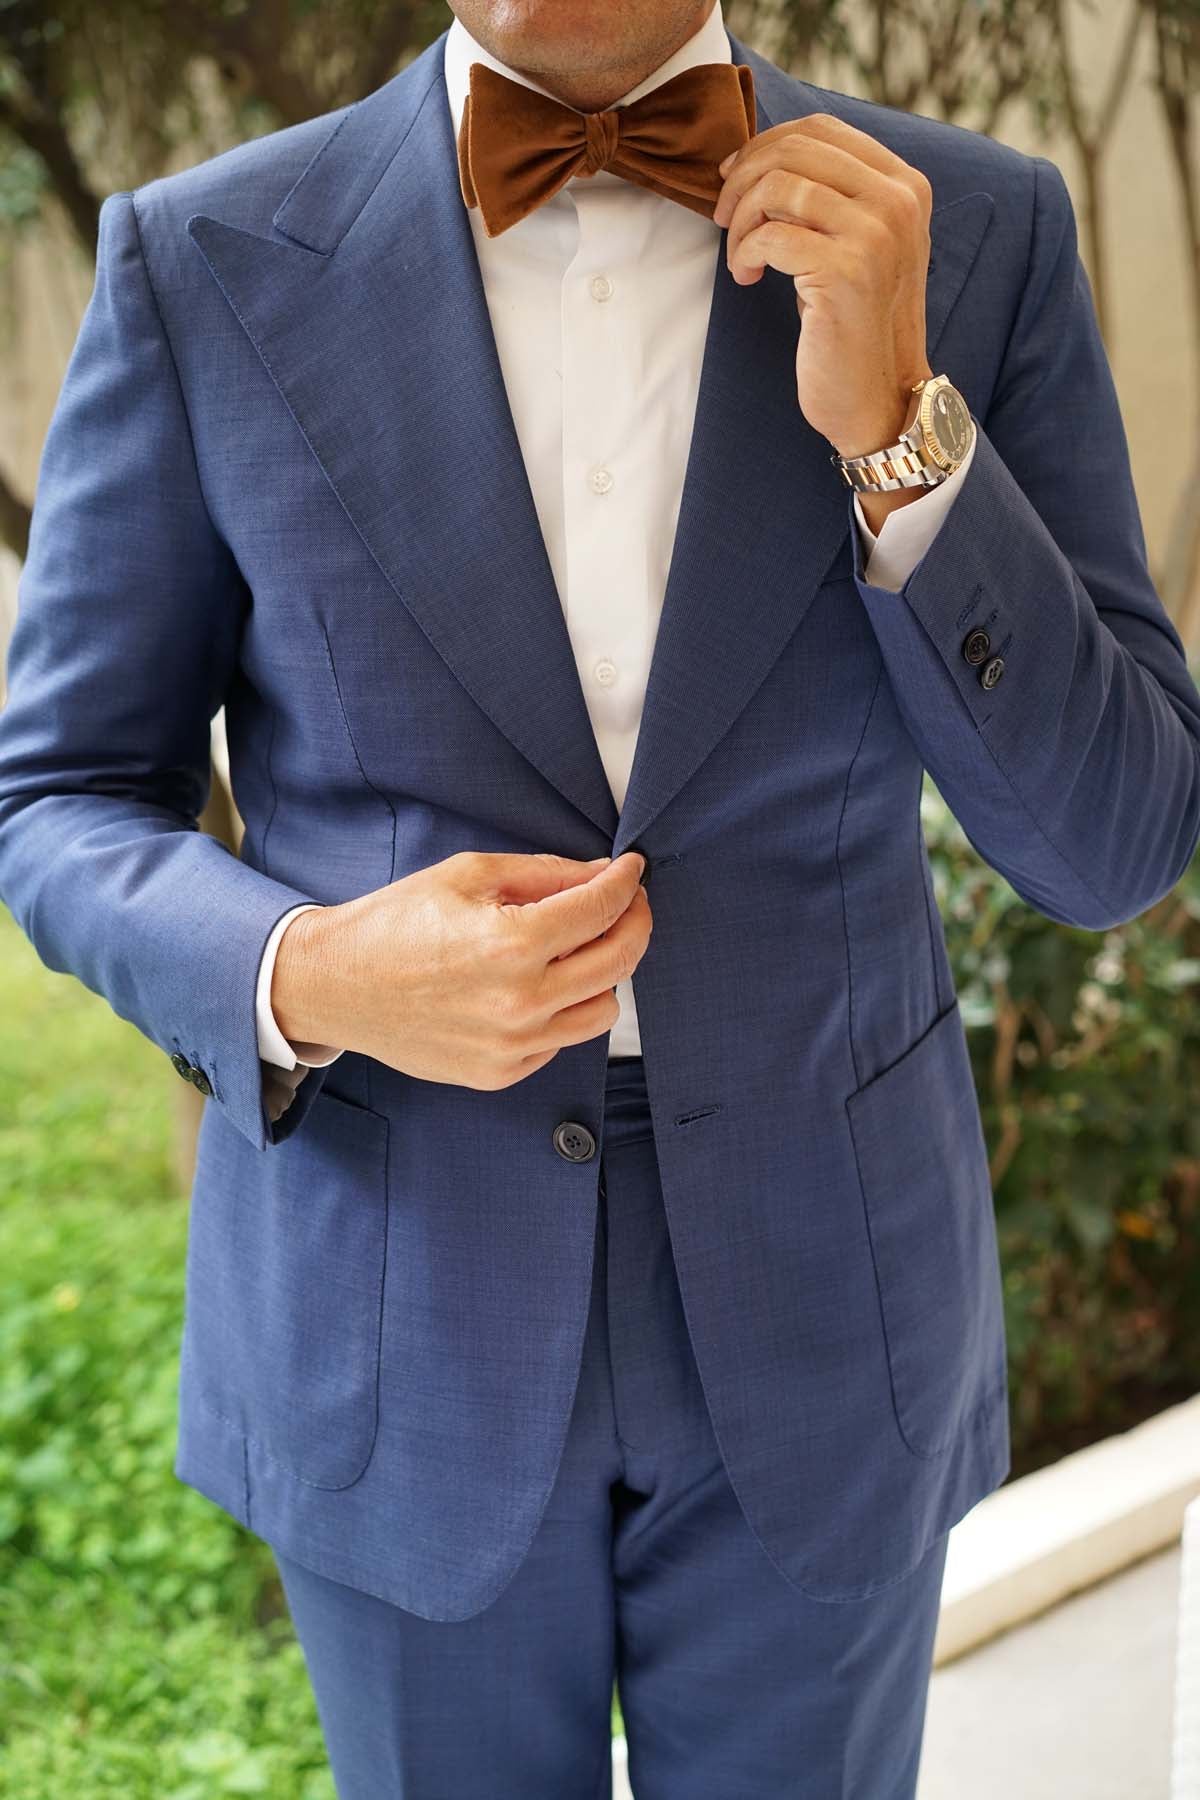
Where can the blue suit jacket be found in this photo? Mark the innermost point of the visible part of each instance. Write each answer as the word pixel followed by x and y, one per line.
pixel 283 475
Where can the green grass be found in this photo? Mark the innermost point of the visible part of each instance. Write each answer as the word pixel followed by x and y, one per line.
pixel 145 1650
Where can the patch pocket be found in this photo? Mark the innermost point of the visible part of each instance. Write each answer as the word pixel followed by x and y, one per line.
pixel 923 1169
pixel 286 1255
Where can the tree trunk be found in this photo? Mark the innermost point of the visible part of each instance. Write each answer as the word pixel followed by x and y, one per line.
pixel 1174 80
pixel 1179 589
pixel 45 134
pixel 15 519
pixel 1091 142
pixel 1095 247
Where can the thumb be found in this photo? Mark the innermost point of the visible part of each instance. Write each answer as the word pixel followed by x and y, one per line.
pixel 527 878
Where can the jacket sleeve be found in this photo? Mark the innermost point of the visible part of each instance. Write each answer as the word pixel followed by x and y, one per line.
pixel 906 534
pixel 1076 773
pixel 128 623
pixel 273 1047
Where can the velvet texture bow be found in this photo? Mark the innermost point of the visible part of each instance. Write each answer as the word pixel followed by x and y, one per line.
pixel 517 147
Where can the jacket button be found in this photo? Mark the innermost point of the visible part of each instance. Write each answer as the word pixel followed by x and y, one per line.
pixel 976 645
pixel 181 1066
pixel 200 1080
pixel 574 1141
pixel 991 672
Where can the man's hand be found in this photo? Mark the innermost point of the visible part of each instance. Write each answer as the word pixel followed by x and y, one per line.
pixel 848 219
pixel 475 971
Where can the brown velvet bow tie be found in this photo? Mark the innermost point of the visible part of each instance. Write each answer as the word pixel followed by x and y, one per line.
pixel 517 147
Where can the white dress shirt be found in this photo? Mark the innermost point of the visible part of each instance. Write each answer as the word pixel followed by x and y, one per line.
pixel 599 301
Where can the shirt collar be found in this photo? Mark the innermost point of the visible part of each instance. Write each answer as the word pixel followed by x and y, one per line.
pixel 710 44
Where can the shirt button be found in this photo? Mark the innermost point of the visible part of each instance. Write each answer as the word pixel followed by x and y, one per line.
pixel 602 287
pixel 601 481
pixel 605 671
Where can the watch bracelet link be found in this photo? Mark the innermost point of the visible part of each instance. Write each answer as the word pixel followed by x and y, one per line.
pixel 882 476
pixel 899 465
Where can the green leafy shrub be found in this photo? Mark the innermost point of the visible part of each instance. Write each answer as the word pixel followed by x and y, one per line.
pixel 145 1651
pixel 1086 1053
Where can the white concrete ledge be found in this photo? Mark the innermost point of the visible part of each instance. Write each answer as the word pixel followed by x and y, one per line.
pixel 1185 1734
pixel 1053 1533
pixel 1049 1534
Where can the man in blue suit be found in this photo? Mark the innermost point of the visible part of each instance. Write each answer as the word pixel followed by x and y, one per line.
pixel 547 1337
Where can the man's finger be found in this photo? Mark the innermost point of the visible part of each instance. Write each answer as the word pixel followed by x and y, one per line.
pixel 830 164
pixel 589 968
pixel 828 128
pixel 521 878
pixel 788 199
pixel 805 144
pixel 580 913
pixel 868 149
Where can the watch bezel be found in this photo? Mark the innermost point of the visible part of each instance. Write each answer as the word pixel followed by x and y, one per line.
pixel 933 446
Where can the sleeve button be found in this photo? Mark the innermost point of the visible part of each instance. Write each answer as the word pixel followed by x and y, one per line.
pixel 200 1080
pixel 181 1066
pixel 991 672
pixel 976 645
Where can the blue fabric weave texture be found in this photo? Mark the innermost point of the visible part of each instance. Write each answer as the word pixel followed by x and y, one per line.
pixel 282 475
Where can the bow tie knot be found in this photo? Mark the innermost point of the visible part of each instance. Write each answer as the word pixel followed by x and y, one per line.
pixel 603 136
pixel 517 146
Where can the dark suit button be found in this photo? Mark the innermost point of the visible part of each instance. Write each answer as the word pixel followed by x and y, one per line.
pixel 200 1080
pixel 181 1066
pixel 574 1141
pixel 991 672
pixel 976 645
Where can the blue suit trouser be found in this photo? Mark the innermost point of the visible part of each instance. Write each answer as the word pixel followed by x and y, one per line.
pixel 733 1684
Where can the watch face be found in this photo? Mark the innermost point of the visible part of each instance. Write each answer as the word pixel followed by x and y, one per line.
pixel 950 423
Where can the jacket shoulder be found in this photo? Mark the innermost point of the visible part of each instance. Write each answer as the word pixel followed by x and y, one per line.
pixel 242 185
pixel 956 159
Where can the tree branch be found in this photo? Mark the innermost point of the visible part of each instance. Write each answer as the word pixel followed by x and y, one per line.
pixel 253 41
pixel 1122 68
pixel 382 56
pixel 14 520
pixel 1174 79
pixel 45 135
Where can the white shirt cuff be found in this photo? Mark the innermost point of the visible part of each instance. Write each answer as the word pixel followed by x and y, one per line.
pixel 907 533
pixel 273 1047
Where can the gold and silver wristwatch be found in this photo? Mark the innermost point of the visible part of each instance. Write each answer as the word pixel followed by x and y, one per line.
pixel 929 451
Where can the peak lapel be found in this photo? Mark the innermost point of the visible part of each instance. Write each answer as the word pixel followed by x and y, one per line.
pixel 368 311
pixel 763 513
